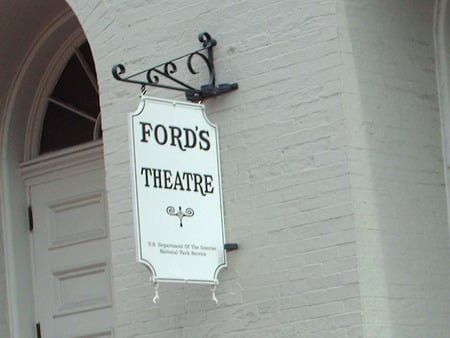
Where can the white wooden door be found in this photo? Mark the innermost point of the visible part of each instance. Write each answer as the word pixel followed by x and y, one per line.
pixel 72 256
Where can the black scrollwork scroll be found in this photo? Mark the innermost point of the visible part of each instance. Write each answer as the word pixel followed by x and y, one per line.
pixel 154 76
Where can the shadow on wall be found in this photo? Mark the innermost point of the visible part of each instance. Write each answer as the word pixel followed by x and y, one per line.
pixel 398 186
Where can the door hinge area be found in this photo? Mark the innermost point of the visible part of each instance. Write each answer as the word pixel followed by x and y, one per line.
pixel 30 219
pixel 38 330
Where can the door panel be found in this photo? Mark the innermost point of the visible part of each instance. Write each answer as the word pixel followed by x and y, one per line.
pixel 72 265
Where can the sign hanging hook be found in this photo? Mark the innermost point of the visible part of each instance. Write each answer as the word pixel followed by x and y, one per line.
pixel 156 286
pixel 213 292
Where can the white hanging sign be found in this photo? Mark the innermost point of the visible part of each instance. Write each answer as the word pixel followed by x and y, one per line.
pixel 177 191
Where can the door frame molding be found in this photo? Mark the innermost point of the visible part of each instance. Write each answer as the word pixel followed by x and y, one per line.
pixel 18 132
pixel 59 164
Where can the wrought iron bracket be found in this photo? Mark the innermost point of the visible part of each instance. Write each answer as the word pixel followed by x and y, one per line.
pixel 169 68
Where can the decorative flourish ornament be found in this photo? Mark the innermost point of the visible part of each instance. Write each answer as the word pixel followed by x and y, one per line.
pixel 180 214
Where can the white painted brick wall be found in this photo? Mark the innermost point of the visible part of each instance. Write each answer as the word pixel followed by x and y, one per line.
pixel 311 75
pixel 286 181
pixel 390 100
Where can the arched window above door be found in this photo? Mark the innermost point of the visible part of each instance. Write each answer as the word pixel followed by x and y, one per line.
pixel 73 111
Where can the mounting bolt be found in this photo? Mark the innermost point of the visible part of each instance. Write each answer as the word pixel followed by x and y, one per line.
pixel 230 246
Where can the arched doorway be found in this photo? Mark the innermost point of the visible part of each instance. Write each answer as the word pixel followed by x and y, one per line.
pixel 58 275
